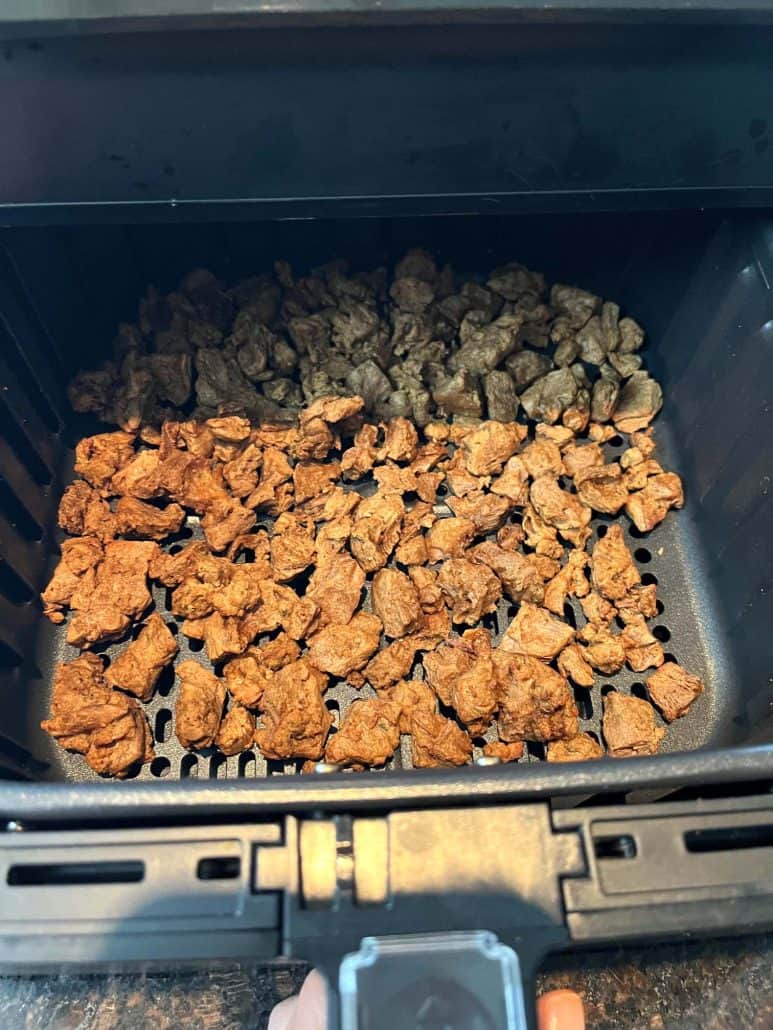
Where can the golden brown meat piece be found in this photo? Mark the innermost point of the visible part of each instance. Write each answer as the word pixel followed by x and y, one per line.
pixel 474 696
pixel 543 458
pixel 487 448
pixel 231 428
pixel 298 616
pixel 194 559
pixel 292 547
pixel 642 648
pixel 82 512
pixel 310 479
pixel 460 481
pixel 452 659
pixel 602 488
pixel 581 457
pixel 535 702
pixel 536 632
pixel 648 507
pixel 136 518
pixel 504 752
pixel 118 595
pixel 199 707
pixel 401 441
pixel 295 720
pixel 139 477
pixel 438 742
pixel 396 602
pixel 613 572
pixel 448 538
pixel 572 664
pixel 367 736
pixel 225 521
pixel 137 668
pixel 673 690
pixel 518 575
pixel 605 650
pixel 108 728
pixel 341 650
pixel 412 696
pixel 273 485
pixel 640 400
pixel 243 591
pixel 600 433
pixel 570 581
pixel 392 663
pixel 412 551
pixel 540 536
pixel 376 530
pixel 470 588
pixel 511 536
pixel 339 504
pixel 202 486
pixel 581 748
pixel 561 436
pixel 316 437
pixel 561 509
pixel 237 731
pixel 597 610
pixel 98 458
pixel 241 473
pixel 640 600
pixel 513 483
pixel 247 677
pixel 80 558
pixel 336 587
pixel 629 726
pixel 223 635
pixel 361 456
pixel 486 511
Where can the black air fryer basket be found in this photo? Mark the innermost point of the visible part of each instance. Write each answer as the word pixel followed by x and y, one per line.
pixel 624 150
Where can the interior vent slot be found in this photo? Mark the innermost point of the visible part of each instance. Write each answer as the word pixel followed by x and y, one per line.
pixel 219 868
pixel 62 874
pixel 729 838
pixel 620 846
pixel 17 514
pixel 12 432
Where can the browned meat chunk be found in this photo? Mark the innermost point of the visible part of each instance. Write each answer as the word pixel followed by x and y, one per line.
pixel 605 651
pixel 561 509
pixel 602 488
pixel 488 447
pixel 518 575
pixel 376 530
pixel 310 479
pixel 642 648
pixel 640 600
pixel 572 664
pixel 673 690
pixel 445 665
pixel 391 664
pixel 649 506
pixel 597 610
pixel 629 726
pixel 231 428
pixel 292 547
pixel 401 441
pixel 98 458
pixel 82 512
pixel 108 728
pixel 438 742
pixel 136 669
pixel 236 732
pixel 412 696
pixel 460 480
pixel 223 635
pixel 577 749
pixel 224 522
pixel 569 581
pixel 241 473
pixel 485 511
pixel 513 483
pixel 367 736
pixel 295 720
pixel 139 477
pixel 199 707
pixel 336 587
pixel 247 677
pixel 79 560
pixel 361 456
pixel 474 696
pixel 273 487
pixel 542 537
pixel 136 518
pixel 448 538
pixel 543 458
pixel 396 603
pixel 298 616
pixel 504 752
pixel 535 702
pixel 640 400
pixel 412 551
pixel 580 458
pixel 612 568
pixel 470 588
pixel 341 650
pixel 536 632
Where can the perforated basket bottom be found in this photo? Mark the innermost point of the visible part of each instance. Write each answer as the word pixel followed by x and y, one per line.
pixel 666 556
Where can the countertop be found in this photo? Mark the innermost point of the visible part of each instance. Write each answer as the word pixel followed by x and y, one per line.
pixel 706 985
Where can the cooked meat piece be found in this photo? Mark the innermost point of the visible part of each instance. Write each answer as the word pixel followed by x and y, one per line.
pixel 597 610
pixel 448 538
pixel 394 479
pixel 241 473
pixel 642 649
pixel 224 522
pixel 637 477
pixel 82 512
pixel 539 535
pixel 569 581
pixel 137 668
pixel 367 736
pixel 579 458
pixel 336 587
pixel 193 599
pixel 339 504
pixel 458 394
pixel 243 592
pixel 98 458
pixel 613 572
pixel 581 748
pixel 310 479
pixel 572 664
pixel 396 602
pixel 640 600
pixel 673 690
pixel 236 732
pixel 107 606
pixel 295 720
pixel 519 577
pixel 401 441
pixel 501 398
pixel 640 400
pixel 535 702
pixel 536 632
pixel 605 651
pixel 223 635
pixel 629 726
pixel 316 438
pixel 298 616
pixel 551 395
pixel 546 568
pixel 445 665
pixel 108 728
pixel 412 696
pixel 136 518
pixel 514 482
pixel 542 457
pixel 459 479
pixel 438 742
pixel 292 547
pixel 199 706
pixel 561 436
pixel 563 510
pixel 470 588
pixel 602 488
pixel 510 537
pixel 361 456
pixel 376 530
pixel 485 511
pixel 193 560
pixel 247 677
pixel 600 433
pixel 80 558
pixel 488 447
pixel 340 650
pixel 474 696
pixel 139 477
pixel 649 506
pixel 430 594
pixel 412 551
pixel 526 366
pixel 504 752
pixel 392 663
pixel 273 488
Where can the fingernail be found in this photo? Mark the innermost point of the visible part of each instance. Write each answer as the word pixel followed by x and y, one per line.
pixel 560 1010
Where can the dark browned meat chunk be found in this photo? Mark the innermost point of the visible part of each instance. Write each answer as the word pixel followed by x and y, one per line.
pixel 341 650
pixel 79 560
pixel 474 696
pixel 108 728
pixel 98 458
pixel 438 742
pixel 535 702
pixel 367 736
pixel 605 650
pixel 488 447
pixel 225 521
pixel 392 663
pixel 642 648
pixel 518 575
pixel 336 586
pixel 448 538
pixel 640 600
pixel 236 732
pixel 536 632
pixel 470 588
pixel 673 690
pixel 295 720
pixel 648 507
pixel 137 668
pixel 612 568
pixel 629 726
pixel 570 581
pixel 136 518
pixel 199 707
pixel 577 749
pixel 82 512
pixel 396 602
pixel 504 752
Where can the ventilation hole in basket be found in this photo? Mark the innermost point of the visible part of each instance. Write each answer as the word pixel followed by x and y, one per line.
pixel 584 704
pixel 601 532
pixel 175 548
pixel 195 645
pixel 637 534
pixel 335 710
pixel 173 628
pixel 274 767
pixel 490 622
pixel 593 735
pixel 643 555
pixel 165 681
pixel 662 633
pixel 12 586
pixel 442 490
pixel 620 622
pixel 659 607
pixel 189 767
pixel 217 769
pixel 247 765
pixel 512 611
pixel 9 658
pixel 670 657
pixel 184 534
pixel 616 441
pixel 649 578
pixel 535 750
pixel 608 688
pixel 569 615
pixel 160 767
pixel 168 598
pixel 163 726
pixel 17 515
pixel 639 690
pixel 12 433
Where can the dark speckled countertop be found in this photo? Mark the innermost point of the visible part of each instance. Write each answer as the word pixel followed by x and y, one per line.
pixel 707 985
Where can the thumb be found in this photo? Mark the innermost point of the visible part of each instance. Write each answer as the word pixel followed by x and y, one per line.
pixel 560 1010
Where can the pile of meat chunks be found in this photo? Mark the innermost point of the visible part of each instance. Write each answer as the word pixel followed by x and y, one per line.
pixel 386 589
